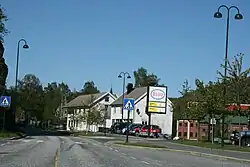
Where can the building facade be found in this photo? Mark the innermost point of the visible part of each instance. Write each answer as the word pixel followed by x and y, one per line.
pixel 188 129
pixel 164 121
pixel 77 106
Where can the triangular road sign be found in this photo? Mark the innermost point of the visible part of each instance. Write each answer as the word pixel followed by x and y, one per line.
pixel 5 102
pixel 129 104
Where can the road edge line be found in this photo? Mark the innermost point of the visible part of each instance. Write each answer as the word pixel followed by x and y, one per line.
pixel 57 157
pixel 190 152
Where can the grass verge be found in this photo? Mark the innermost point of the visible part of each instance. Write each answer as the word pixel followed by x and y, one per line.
pixel 141 145
pixel 213 146
pixel 6 134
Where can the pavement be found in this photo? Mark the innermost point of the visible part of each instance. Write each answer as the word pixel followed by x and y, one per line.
pixel 54 151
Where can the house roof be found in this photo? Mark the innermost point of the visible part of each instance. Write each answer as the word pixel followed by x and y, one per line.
pixel 83 100
pixel 135 94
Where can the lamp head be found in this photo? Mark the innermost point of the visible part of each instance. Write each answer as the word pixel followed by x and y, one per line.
pixel 218 15
pixel 238 16
pixel 25 46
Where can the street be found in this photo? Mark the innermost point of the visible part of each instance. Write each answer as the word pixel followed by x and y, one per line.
pixel 41 151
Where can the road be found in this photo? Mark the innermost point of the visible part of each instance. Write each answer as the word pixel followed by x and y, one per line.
pixel 40 151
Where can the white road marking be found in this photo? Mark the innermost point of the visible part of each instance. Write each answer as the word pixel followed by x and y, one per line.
pixel 132 157
pixel 116 151
pixel 78 142
pixel 39 141
pixel 145 162
pixel 8 142
pixel 2 144
pixel 110 148
pixel 123 154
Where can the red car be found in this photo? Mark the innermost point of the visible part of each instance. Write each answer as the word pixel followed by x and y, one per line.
pixel 154 130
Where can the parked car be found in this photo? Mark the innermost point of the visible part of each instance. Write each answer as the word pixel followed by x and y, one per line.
pixel 154 131
pixel 135 130
pixel 118 127
pixel 130 127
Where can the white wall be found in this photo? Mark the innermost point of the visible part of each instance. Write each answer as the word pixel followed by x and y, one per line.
pixel 164 121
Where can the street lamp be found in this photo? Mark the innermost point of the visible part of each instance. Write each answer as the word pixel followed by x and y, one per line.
pixel 25 46
pixel 123 75
pixel 238 16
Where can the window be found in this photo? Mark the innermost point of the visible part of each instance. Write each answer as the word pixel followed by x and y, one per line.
pixel 191 125
pixel 107 99
pixel 186 124
pixel 180 124
pixel 191 134
pixel 196 134
pixel 204 130
pixel 179 134
pixel 185 134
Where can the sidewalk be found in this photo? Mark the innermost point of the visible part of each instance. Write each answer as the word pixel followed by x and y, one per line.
pixel 177 146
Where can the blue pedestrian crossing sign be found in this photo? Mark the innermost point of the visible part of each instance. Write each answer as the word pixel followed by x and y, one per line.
pixel 129 104
pixel 5 101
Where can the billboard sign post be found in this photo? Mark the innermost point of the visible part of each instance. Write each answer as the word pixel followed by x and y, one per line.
pixel 157 99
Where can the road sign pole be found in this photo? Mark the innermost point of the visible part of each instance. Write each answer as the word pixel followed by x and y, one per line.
pixel 128 105
pixel 127 131
pixel 3 128
pixel 149 123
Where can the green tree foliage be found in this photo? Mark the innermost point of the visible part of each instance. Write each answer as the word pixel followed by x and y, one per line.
pixel 30 96
pixel 3 71
pixel 3 66
pixel 55 96
pixel 3 19
pixel 89 88
pixel 238 81
pixel 143 78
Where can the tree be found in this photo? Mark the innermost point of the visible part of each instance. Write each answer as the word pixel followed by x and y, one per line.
pixel 237 81
pixel 3 19
pixel 30 97
pixel 143 78
pixel 238 84
pixel 89 88
pixel 56 95
pixel 3 66
pixel 3 71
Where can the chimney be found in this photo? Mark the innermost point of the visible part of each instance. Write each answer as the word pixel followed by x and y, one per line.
pixel 130 88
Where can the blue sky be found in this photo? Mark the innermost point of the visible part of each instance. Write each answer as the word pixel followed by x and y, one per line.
pixel 76 41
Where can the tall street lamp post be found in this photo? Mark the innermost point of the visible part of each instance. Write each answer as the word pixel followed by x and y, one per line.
pixel 25 46
pixel 238 16
pixel 123 75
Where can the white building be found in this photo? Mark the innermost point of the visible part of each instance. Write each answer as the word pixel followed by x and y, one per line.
pixel 78 105
pixel 164 121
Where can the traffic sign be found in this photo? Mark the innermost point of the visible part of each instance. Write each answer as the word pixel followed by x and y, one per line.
pixel 5 101
pixel 129 104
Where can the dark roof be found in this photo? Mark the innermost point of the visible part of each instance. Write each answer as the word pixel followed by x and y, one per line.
pixel 83 100
pixel 135 94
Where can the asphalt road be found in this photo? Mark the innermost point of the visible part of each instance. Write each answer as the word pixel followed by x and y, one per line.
pixel 40 151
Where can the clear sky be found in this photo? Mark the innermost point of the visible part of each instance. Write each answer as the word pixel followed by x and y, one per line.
pixel 80 40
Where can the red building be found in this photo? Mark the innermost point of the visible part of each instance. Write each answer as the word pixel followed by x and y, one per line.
pixel 188 129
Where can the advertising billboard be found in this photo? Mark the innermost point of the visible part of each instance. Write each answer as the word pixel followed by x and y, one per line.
pixel 157 99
